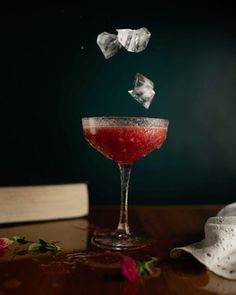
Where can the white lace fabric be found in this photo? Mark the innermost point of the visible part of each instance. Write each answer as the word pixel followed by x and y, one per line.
pixel 218 250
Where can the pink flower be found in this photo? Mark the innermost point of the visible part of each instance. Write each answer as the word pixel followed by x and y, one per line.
pixel 4 243
pixel 129 269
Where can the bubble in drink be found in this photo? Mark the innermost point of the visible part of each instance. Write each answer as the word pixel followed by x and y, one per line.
pixel 108 43
pixel 134 40
pixel 143 90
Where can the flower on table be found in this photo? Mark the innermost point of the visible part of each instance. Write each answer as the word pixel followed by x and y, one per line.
pixel 129 269
pixel 132 270
pixel 40 246
pixel 5 242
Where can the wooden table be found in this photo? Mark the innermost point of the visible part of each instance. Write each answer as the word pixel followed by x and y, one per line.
pixel 82 269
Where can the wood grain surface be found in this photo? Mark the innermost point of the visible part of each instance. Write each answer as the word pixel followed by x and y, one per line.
pixel 82 269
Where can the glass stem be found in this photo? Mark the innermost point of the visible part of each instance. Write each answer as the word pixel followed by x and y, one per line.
pixel 123 226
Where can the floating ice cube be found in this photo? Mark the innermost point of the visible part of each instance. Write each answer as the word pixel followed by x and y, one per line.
pixel 143 90
pixel 140 80
pixel 134 40
pixel 108 43
pixel 143 95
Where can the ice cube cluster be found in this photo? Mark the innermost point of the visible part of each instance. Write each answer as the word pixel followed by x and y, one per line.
pixel 131 40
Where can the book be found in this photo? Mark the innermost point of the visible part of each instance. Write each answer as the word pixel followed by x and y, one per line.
pixel 43 202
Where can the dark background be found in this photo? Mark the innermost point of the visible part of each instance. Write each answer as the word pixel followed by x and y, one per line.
pixel 53 74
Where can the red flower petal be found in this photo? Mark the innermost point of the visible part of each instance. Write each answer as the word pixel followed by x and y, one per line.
pixel 129 269
pixel 4 243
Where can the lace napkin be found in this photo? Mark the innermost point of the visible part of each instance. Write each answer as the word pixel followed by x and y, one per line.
pixel 218 250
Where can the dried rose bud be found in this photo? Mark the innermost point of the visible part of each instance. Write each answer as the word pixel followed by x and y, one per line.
pixel 4 243
pixel 129 269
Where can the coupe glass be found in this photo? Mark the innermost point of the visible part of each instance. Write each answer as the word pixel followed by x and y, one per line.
pixel 123 140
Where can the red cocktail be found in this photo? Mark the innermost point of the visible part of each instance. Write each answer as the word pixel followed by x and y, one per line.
pixel 126 144
pixel 123 140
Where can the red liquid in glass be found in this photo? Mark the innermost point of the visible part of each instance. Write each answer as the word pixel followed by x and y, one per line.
pixel 125 144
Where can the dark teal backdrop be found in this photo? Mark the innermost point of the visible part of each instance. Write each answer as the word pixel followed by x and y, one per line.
pixel 53 74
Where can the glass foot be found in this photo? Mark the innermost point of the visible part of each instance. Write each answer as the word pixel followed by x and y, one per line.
pixel 114 240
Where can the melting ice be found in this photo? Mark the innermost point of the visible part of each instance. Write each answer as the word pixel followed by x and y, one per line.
pixel 108 44
pixel 143 90
pixel 134 40
pixel 131 40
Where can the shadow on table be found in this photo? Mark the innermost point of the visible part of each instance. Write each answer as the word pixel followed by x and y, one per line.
pixel 191 277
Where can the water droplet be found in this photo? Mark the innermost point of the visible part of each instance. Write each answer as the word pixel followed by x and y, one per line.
pixel 208 254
